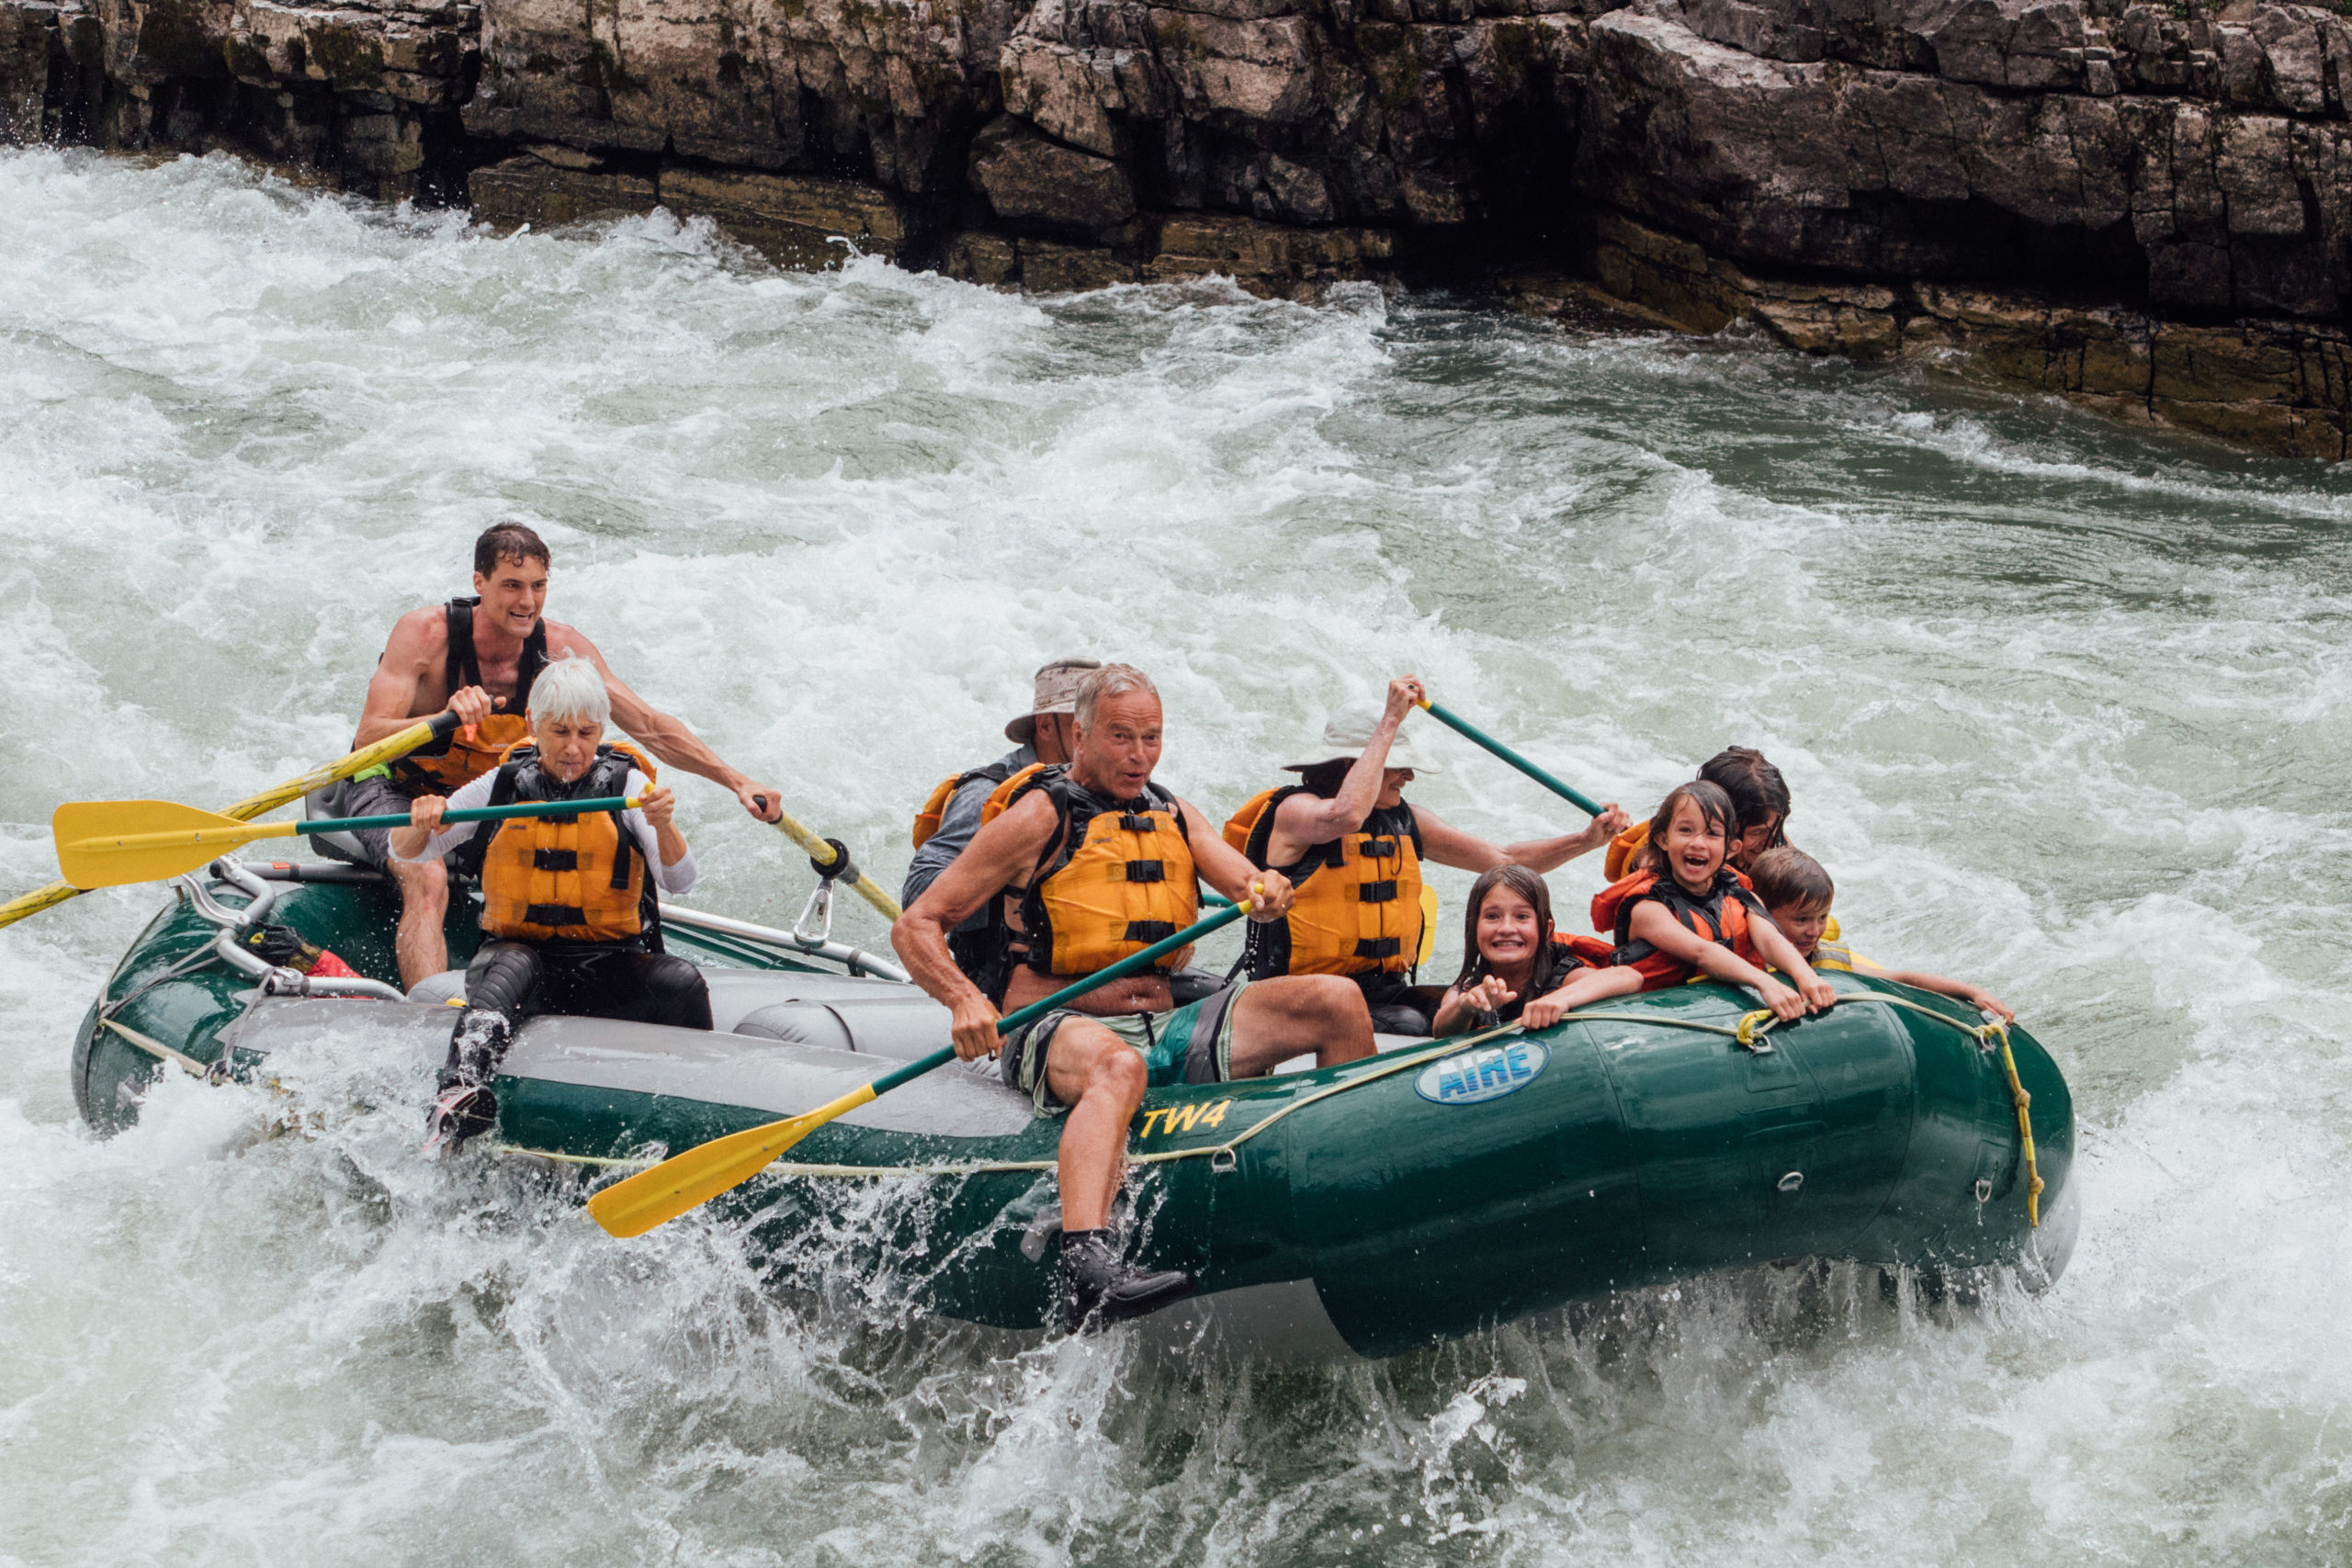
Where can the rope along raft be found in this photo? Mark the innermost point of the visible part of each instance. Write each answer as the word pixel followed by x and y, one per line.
pixel 1748 1033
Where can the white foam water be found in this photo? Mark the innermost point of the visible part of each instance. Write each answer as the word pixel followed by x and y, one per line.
pixel 2063 705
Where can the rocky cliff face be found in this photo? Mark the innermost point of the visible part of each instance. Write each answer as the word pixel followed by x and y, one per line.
pixel 2138 205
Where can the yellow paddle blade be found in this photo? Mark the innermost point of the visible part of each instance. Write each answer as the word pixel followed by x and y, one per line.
pixel 686 1181
pixel 111 843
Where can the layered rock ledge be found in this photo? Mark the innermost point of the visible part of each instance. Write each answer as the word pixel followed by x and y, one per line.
pixel 2145 207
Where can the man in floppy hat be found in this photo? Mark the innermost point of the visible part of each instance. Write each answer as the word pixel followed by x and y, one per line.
pixel 1047 733
pixel 1359 914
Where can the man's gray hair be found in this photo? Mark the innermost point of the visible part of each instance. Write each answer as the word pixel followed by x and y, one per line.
pixel 1110 680
pixel 571 688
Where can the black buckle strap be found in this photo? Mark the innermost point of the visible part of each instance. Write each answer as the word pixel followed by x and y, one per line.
pixel 1151 930
pixel 555 860
pixel 1133 822
pixel 1378 947
pixel 1376 892
pixel 1147 871
pixel 555 915
pixel 1378 849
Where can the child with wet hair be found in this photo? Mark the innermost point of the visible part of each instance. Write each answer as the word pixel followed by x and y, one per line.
pixel 1796 893
pixel 1686 912
pixel 1758 795
pixel 1515 966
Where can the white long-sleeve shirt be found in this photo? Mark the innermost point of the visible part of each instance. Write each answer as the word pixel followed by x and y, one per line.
pixel 678 879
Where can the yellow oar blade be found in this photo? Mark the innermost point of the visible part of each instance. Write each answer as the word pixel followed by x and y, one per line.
pixel 688 1181
pixel 111 843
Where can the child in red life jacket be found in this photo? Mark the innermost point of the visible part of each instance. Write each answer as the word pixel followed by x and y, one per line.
pixel 1686 912
pixel 1797 893
pixel 1511 952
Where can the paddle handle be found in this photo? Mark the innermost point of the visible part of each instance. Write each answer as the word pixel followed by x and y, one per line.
pixel 1480 737
pixel 474 814
pixel 1070 992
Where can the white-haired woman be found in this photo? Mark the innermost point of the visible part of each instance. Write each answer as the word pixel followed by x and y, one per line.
pixel 569 921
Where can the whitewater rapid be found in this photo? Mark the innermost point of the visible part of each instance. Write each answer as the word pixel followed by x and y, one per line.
pixel 2063 707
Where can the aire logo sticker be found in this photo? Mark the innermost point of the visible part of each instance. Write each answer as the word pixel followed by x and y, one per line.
pixel 1486 1073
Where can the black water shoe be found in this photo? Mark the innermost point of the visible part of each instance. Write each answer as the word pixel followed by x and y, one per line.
pixel 462 1109
pixel 1099 1289
pixel 463 1106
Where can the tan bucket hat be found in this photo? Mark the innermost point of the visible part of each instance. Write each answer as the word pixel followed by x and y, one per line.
pixel 1350 732
pixel 1056 692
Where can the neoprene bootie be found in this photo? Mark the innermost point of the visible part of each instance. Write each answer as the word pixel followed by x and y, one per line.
pixel 1098 1290
pixel 463 1105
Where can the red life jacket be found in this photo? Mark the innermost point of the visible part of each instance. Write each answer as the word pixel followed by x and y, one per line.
pixel 1720 917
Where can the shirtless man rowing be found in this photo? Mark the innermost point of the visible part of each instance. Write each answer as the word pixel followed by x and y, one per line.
pixel 477 658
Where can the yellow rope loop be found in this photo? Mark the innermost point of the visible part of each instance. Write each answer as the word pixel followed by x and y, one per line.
pixel 1746 1033
pixel 2024 1123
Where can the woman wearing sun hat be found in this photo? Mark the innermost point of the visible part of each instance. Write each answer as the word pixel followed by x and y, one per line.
pixel 1360 912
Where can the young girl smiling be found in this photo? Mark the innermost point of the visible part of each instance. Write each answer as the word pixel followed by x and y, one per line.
pixel 1688 911
pixel 1512 953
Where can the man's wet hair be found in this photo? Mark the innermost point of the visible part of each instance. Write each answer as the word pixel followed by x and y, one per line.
pixel 509 541
pixel 1784 877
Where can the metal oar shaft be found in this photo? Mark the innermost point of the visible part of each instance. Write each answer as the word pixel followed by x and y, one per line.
pixel 1480 737
pixel 825 856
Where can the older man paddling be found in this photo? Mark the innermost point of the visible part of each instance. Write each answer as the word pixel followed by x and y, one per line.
pixel 477 657
pixel 1093 861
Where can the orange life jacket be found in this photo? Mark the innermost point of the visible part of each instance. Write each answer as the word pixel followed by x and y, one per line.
pixel 442 767
pixel 1118 877
pixel 1359 906
pixel 1720 917
pixel 569 878
pixel 934 809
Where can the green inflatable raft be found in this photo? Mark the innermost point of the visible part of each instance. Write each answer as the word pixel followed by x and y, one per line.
pixel 1435 1189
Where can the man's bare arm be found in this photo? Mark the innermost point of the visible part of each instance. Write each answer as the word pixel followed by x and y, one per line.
pixel 1229 871
pixel 1304 820
pixel 999 854
pixel 400 671
pixel 1449 845
pixel 672 743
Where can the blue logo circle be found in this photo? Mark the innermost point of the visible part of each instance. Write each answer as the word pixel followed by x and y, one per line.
pixel 1487 1073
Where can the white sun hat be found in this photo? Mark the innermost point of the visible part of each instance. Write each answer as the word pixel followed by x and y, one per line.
pixel 1350 732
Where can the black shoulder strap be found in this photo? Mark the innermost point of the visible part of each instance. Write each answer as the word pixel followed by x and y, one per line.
pixel 1160 799
pixel 610 775
pixel 503 788
pixel 533 659
pixel 1261 832
pixel 462 669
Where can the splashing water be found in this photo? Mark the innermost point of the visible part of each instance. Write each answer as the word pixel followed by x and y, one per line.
pixel 2063 707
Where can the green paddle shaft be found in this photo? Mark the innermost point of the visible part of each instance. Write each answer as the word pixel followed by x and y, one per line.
pixel 1463 727
pixel 473 814
pixel 1037 1010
